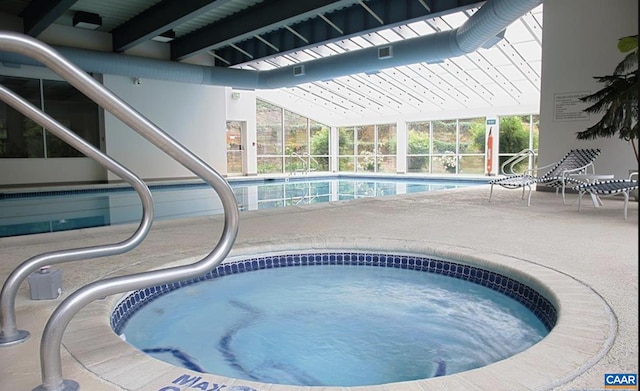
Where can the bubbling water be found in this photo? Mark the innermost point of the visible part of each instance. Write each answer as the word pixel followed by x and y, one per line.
pixel 333 325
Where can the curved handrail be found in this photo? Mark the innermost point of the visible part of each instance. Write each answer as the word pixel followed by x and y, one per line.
pixel 9 334
pixel 307 165
pixel 52 336
pixel 517 158
pixel 304 162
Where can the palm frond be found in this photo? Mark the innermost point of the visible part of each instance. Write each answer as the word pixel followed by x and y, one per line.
pixel 618 100
pixel 629 63
pixel 616 88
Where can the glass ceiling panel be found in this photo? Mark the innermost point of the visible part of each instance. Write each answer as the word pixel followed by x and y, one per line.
pixel 421 28
pixel 361 42
pixel 507 74
pixel 529 51
pixel 494 56
pixel 405 31
pixel 374 39
pixel 390 35
pixel 455 20
pixel 348 45
pixel 517 33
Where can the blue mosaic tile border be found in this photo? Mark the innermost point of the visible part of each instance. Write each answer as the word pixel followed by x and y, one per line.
pixel 534 301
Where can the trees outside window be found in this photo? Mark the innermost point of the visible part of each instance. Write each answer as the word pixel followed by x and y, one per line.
pixel 446 147
pixel 419 147
pixel 288 142
pixel 370 148
pixel 518 133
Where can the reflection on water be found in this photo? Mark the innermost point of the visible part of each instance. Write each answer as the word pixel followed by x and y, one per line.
pixel 29 213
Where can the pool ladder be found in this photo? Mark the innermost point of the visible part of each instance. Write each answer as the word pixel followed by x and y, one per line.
pixel 50 359
pixel 305 163
pixel 508 166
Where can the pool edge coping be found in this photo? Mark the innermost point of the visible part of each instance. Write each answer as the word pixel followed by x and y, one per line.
pixel 576 343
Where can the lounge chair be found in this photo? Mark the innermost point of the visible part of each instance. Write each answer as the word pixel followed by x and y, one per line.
pixel 576 161
pixel 611 187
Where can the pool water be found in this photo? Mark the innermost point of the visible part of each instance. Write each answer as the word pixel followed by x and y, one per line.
pixel 37 212
pixel 333 325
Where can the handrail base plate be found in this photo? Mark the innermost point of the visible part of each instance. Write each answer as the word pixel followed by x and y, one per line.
pixel 67 385
pixel 19 337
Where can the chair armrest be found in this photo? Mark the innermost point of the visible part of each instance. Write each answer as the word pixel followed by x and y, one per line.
pixel 545 166
pixel 633 174
pixel 579 170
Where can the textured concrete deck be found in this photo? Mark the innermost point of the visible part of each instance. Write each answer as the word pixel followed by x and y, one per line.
pixel 587 262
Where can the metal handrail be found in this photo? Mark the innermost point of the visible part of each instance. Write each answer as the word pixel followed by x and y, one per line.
pixel 307 165
pixel 304 162
pixel 9 334
pixel 50 360
pixel 313 160
pixel 517 158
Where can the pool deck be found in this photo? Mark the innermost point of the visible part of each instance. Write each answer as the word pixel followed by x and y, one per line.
pixel 586 262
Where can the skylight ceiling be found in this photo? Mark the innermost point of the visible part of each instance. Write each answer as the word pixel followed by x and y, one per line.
pixel 505 75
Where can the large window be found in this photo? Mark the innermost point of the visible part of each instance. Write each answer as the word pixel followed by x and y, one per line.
pixel 269 137
pixel 22 138
pixel 471 146
pixel 419 147
pixel 446 147
pixel 386 151
pixel 370 148
pixel 319 146
pixel 445 156
pixel 288 142
pixel 518 133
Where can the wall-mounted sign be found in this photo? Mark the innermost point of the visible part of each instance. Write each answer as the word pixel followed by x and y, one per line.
pixel 568 106
pixel 491 121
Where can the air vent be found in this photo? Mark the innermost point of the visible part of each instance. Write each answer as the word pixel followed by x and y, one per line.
pixel 298 70
pixel 385 52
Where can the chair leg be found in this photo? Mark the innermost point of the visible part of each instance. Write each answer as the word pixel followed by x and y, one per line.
pixel 580 194
pixel 528 198
pixel 626 202
pixel 491 192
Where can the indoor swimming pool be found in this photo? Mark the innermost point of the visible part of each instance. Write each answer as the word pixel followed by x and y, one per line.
pixel 39 211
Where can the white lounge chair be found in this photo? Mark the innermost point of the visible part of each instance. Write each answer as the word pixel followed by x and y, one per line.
pixel 607 188
pixel 576 161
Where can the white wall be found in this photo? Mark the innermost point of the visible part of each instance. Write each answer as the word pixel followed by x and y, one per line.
pixel 194 115
pixel 579 42
pixel 50 171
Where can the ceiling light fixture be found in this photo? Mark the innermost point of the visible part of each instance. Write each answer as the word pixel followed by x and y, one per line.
pixel 167 36
pixel 87 20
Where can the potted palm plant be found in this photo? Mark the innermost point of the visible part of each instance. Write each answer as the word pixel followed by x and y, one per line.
pixel 618 100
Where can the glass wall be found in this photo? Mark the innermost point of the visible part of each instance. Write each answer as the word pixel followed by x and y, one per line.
pixel 319 146
pixel 288 142
pixel 387 148
pixel 419 147
pixel 471 146
pixel 22 138
pixel 446 147
pixel 370 148
pixel 269 131
pixel 518 133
